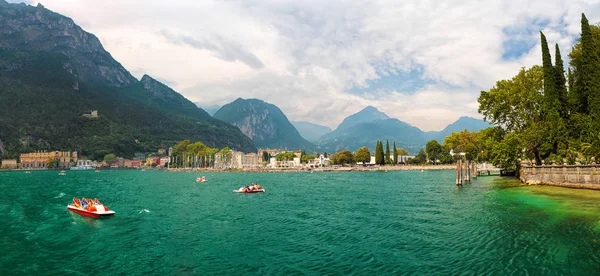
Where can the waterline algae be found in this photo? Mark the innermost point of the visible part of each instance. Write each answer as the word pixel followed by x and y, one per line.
pixel 321 223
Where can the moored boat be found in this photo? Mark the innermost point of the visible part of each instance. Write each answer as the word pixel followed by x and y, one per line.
pixel 62 173
pixel 90 208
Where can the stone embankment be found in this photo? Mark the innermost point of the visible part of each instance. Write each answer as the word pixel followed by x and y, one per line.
pixel 577 176
pixel 326 169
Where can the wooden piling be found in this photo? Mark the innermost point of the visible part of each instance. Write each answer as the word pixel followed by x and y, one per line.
pixel 458 173
pixel 467 171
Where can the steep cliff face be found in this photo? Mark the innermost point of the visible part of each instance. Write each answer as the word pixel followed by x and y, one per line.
pixel 52 72
pixel 28 28
pixel 169 99
pixel 264 123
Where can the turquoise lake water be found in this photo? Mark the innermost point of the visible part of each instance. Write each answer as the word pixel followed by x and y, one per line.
pixel 371 223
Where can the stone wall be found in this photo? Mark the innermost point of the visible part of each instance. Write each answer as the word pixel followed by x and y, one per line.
pixel 584 177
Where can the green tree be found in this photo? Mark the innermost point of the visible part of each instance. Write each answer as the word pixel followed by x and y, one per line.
pixel 387 152
pixel 265 156
pixel 285 156
pixel 463 141
pixel 515 106
pixel 445 157
pixel 433 150
pixel 395 153
pixel 52 164
pixel 362 155
pixel 586 86
pixel 421 157
pixel 402 152
pixel 379 155
pixel 551 106
pixel 342 157
pixel 307 157
pixel 226 155
pixel 110 158
pixel 561 88
pixel 550 93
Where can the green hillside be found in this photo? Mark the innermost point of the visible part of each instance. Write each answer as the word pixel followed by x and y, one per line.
pixel 52 72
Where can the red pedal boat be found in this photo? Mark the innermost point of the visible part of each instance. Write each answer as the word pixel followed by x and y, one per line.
pixel 91 208
pixel 250 190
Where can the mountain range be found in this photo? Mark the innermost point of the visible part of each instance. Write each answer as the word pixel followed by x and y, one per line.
pixel 264 123
pixel 52 72
pixel 369 125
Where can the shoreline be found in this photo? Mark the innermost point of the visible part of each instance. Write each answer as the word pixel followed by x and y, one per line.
pixel 328 169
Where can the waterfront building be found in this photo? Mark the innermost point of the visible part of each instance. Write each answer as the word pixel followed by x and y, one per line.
pixel 83 165
pixel 320 161
pixel 9 164
pixel 271 152
pixel 163 161
pixel 403 158
pixel 39 159
pixel 250 160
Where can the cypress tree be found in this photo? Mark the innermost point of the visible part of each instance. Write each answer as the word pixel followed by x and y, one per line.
pixel 571 89
pixel 395 153
pixel 387 152
pixel 550 94
pixel 379 156
pixel 561 89
pixel 584 88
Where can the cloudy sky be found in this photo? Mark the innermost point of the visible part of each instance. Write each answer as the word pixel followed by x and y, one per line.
pixel 423 62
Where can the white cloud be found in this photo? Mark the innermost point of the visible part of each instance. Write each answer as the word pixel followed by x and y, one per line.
pixel 303 56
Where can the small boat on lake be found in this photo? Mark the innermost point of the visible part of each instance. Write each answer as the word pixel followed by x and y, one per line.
pixel 62 173
pixel 89 208
pixel 201 179
pixel 250 189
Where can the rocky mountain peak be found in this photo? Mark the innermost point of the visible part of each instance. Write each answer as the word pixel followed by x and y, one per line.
pixel 32 29
pixel 367 114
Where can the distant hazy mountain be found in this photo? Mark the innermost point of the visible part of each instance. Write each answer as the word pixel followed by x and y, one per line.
pixel 464 122
pixel 369 125
pixel 264 123
pixel 311 132
pixel 210 109
pixel 368 114
pixel 52 72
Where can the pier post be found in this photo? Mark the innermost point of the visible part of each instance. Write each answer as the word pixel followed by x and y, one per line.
pixel 467 171
pixel 459 173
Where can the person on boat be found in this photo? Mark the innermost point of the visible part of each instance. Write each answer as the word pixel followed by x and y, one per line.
pixel 76 202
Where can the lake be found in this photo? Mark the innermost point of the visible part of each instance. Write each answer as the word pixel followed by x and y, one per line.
pixel 355 223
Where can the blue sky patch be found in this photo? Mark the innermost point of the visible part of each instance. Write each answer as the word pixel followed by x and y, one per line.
pixel 522 38
pixel 405 82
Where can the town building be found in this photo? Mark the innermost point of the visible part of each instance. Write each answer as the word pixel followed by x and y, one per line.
pixel 320 161
pixel 163 161
pixel 39 159
pixel 9 164
pixel 403 158
pixel 84 165
pixel 93 114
